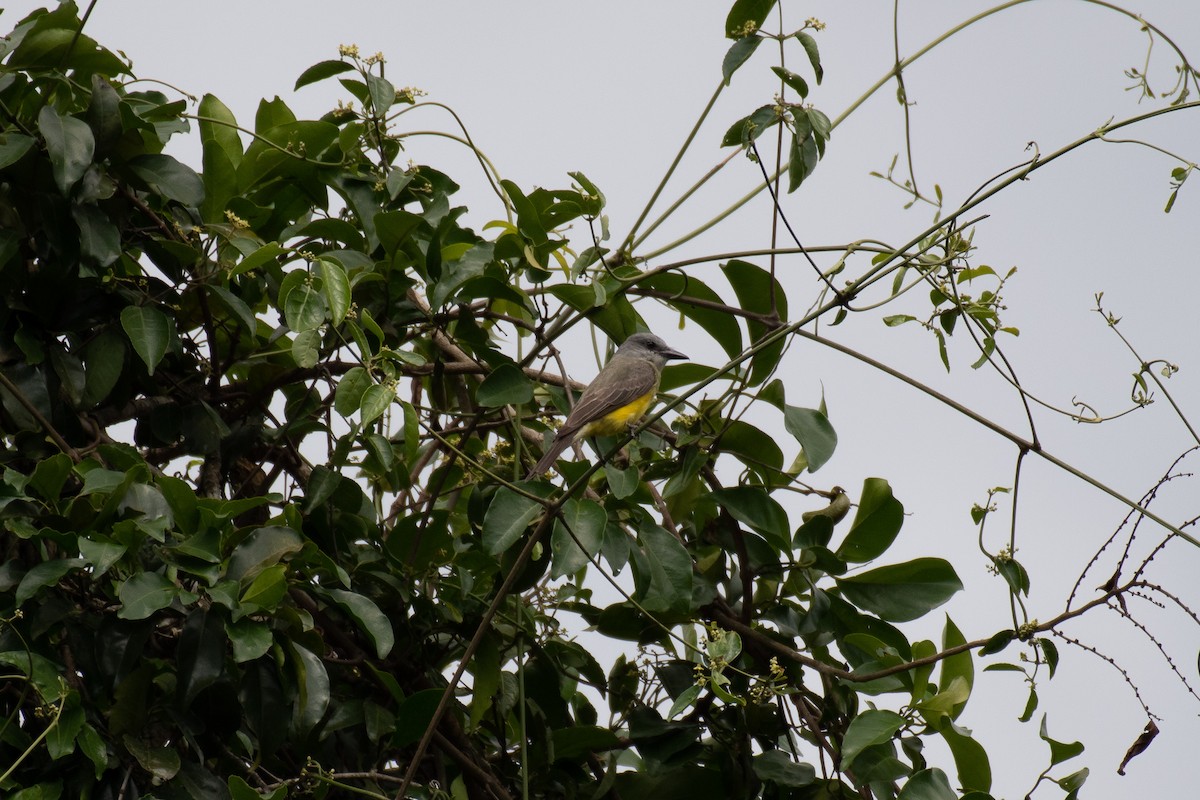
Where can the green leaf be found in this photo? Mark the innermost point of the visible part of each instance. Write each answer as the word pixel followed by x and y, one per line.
pixel 313 683
pixel 869 728
pixel 506 385
pixel 322 70
pixel 970 758
pixel 507 518
pixel 47 573
pixel 928 784
pixel 13 146
pixel 621 482
pixel 170 178
pixel 791 79
pixel 382 93
pixel 375 400
pixel 998 642
pixel 1050 653
pixel 336 287
pixel 200 656
pixel 161 762
pixel 746 16
pixel 149 331
pixel 145 593
pixel 306 349
pixel 1059 751
pixel 587 520
pixel 41 671
pixel 902 592
pixel 739 54
pixel 686 700
pixel 99 239
pixel 876 523
pixel 778 767
pixel 814 433
pixel 49 476
pixel 347 398
pixel 752 506
pixel 666 584
pixel 263 548
pixel 250 639
pixel 236 307
pixel 221 153
pixel 369 618
pixel 414 715
pixel 756 289
pixel 266 590
pixel 70 145
pixel 960 666
pixel 268 252
pixel 304 308
pixel 814 55
pixel 753 446
pixel 101 552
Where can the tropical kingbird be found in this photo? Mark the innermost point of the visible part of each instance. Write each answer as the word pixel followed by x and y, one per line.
pixel 616 398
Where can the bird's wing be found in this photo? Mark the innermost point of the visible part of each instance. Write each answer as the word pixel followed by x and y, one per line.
pixel 599 399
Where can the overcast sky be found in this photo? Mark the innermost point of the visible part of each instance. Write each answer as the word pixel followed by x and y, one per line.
pixel 612 88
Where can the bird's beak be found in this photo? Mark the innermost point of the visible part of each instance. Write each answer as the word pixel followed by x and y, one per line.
pixel 672 355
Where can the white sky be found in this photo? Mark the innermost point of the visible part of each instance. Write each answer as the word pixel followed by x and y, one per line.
pixel 612 88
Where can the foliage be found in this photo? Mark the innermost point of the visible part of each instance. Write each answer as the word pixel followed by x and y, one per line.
pixel 263 432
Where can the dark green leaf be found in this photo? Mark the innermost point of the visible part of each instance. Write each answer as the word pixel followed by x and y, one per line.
pixel 739 54
pixel 928 784
pixel 582 740
pixel 375 400
pixel 746 17
pixel 304 308
pixel 997 643
pixel 347 398
pixel 585 519
pixel 814 55
pixel 507 518
pixel 313 682
pixel 876 523
pixel 322 70
pixel 792 80
pixel 149 331
pixel 70 144
pixel 778 767
pixel 201 653
pixel 145 593
pixel 170 178
pixel 814 433
pixel 869 728
pixel 261 549
pixel 414 716
pixel 970 758
pixel 369 618
pixel 759 291
pixel 161 762
pixel 751 505
pixel 506 385
pixel 667 582
pixel 1059 751
pixel 221 149
pixel 47 573
pixel 902 592
pixel 12 147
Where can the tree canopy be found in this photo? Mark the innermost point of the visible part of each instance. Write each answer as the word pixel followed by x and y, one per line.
pixel 264 427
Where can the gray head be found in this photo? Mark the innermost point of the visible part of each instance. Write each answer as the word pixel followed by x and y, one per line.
pixel 647 345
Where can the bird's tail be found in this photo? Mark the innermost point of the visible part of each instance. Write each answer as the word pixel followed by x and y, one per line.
pixel 551 455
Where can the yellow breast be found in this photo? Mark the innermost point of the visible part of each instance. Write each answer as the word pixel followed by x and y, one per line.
pixel 618 421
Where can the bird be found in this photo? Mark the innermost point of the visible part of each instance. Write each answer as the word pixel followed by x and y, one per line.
pixel 616 398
